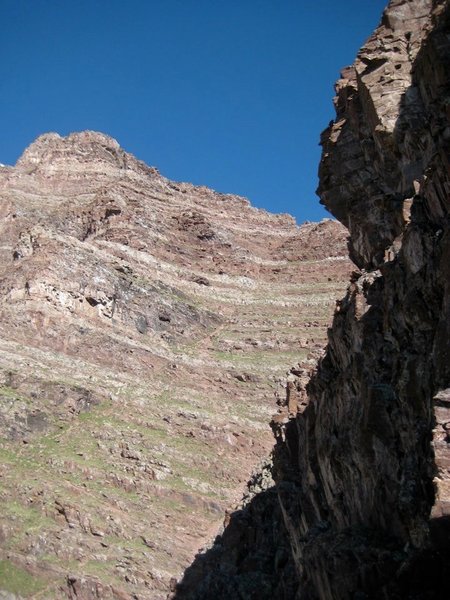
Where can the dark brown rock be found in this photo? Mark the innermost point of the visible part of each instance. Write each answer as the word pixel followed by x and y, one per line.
pixel 368 465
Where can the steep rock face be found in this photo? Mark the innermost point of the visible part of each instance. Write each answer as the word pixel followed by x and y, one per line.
pixel 145 326
pixel 364 480
pixel 376 151
pixel 362 458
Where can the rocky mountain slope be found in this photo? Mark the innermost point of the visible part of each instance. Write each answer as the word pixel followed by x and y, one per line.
pixel 145 327
pixel 361 506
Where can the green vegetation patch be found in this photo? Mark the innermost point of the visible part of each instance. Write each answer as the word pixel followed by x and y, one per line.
pixel 26 520
pixel 11 393
pixel 16 580
pixel 261 359
pixel 101 569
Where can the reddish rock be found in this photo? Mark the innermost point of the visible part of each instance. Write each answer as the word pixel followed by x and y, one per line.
pixel 362 497
pixel 138 358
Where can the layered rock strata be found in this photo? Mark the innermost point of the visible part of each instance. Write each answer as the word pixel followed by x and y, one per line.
pixel 362 460
pixel 145 327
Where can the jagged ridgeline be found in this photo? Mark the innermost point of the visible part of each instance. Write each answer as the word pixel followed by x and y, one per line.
pixel 361 504
pixel 145 327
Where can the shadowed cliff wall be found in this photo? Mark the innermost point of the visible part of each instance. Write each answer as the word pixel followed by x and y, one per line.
pixel 371 451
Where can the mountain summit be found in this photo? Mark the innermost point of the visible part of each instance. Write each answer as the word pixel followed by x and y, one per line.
pixel 145 327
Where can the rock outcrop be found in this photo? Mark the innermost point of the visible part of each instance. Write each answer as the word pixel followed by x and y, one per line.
pixel 138 360
pixel 367 511
pixel 362 464
pixel 145 326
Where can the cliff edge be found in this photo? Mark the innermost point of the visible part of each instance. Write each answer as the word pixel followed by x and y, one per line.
pixel 368 506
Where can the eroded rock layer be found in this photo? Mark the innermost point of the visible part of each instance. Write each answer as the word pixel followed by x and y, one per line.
pixel 145 326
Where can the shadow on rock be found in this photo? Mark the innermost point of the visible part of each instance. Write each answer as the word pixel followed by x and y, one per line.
pixel 251 559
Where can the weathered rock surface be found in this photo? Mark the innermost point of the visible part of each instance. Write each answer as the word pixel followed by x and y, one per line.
pixel 362 461
pixel 145 327
pixel 368 510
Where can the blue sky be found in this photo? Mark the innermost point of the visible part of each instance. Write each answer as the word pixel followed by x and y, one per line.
pixel 232 94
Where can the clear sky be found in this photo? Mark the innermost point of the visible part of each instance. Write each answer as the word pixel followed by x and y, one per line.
pixel 232 94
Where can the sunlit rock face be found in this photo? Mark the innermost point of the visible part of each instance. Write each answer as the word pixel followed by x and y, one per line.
pixel 377 150
pixel 145 327
pixel 147 324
